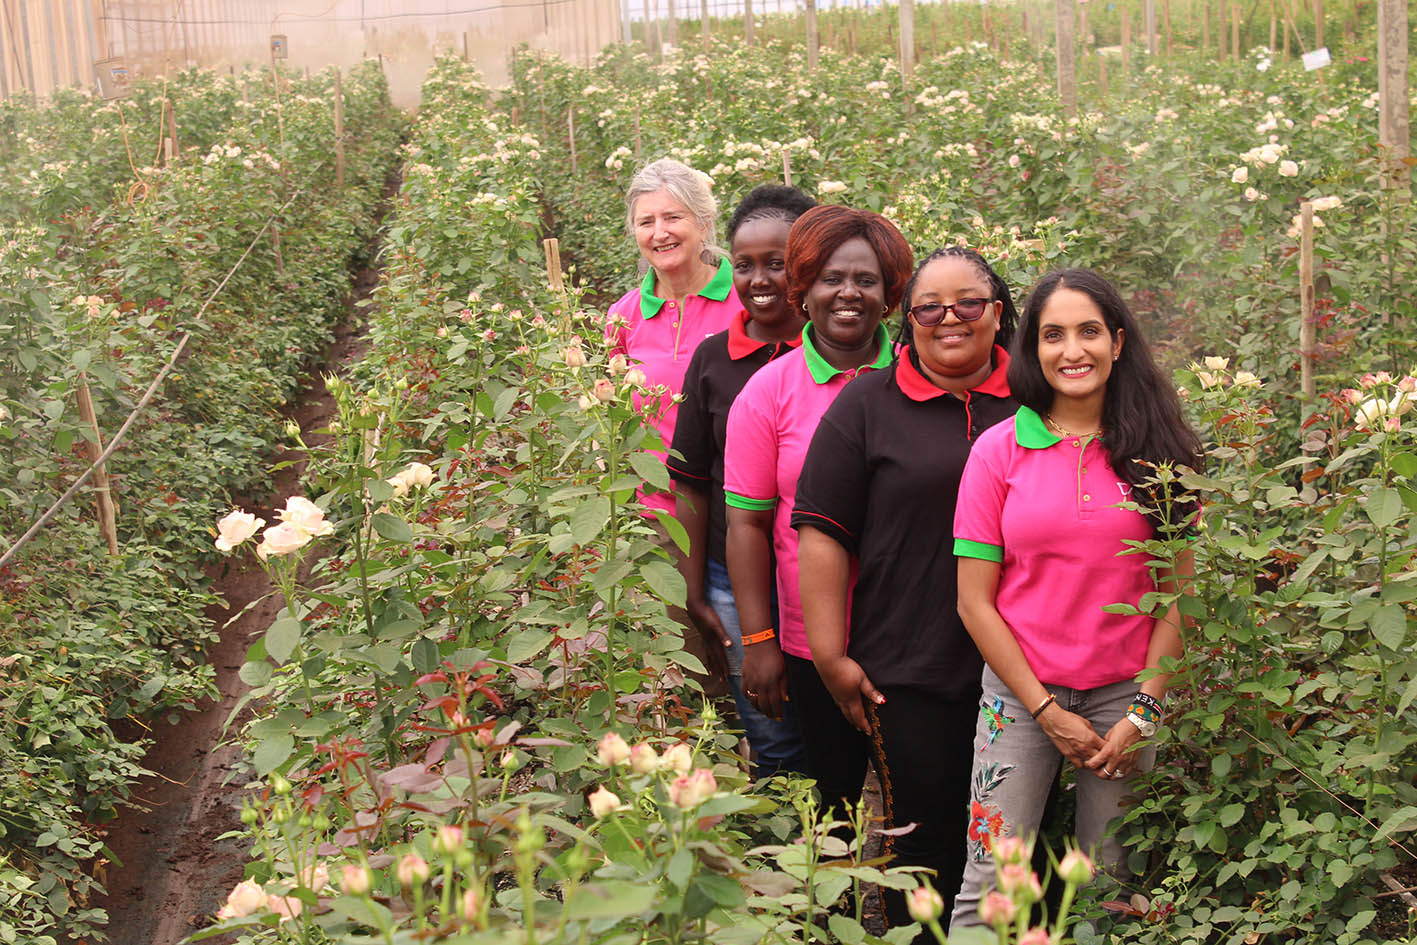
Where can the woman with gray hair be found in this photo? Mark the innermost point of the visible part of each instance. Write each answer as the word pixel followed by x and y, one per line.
pixel 686 294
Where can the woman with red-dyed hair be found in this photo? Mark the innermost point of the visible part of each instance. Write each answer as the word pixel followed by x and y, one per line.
pixel 846 268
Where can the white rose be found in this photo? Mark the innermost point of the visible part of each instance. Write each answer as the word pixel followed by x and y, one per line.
pixel 1288 169
pixel 1251 194
pixel 1240 175
pixel 306 517
pixel 246 898
pixel 234 528
pixel 678 758
pixel 281 539
pixel 1216 363
pixel 1246 379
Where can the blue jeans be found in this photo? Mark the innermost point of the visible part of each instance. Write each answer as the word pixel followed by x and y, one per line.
pixel 777 746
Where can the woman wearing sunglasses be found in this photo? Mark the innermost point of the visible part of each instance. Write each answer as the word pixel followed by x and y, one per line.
pixel 1042 536
pixel 892 650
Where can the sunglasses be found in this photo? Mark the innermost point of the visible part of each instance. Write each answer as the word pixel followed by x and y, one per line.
pixel 930 314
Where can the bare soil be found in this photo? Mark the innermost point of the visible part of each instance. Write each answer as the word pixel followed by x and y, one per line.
pixel 173 870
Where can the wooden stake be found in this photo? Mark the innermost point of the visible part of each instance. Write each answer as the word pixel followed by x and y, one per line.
pixel 1066 54
pixel 786 168
pixel 464 46
pixel 1126 44
pixel 172 131
pixel 704 23
pixel 1394 108
pixel 1205 29
pixel 107 518
pixel 748 22
pixel 1149 24
pixel 1235 32
pixel 554 279
pixel 1273 31
pixel 638 147
pixel 907 40
pixel 1306 299
pixel 1166 24
pixel 1318 24
pixel 571 134
pixel 516 117
pixel 1102 76
pixel 275 244
pixel 811 18
pixel 339 128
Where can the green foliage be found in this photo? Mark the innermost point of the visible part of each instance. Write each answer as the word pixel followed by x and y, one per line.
pixel 111 268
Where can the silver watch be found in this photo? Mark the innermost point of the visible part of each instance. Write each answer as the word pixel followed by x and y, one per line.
pixel 1146 728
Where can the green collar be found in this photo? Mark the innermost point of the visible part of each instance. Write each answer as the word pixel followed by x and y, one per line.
pixel 1031 432
pixel 717 289
pixel 823 372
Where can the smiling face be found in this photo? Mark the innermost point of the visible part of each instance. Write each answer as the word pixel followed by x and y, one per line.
pixel 668 235
pixel 760 272
pixel 1075 349
pixel 847 300
pixel 955 355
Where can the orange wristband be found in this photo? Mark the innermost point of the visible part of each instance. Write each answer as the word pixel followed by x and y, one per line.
pixel 760 637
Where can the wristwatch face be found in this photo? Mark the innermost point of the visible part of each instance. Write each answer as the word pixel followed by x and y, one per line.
pixel 1146 728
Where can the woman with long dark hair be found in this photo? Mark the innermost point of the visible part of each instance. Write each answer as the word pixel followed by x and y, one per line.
pixel 907 673
pixel 846 269
pixel 1042 536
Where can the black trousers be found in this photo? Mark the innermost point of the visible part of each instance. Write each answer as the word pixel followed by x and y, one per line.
pixel 924 751
pixel 837 754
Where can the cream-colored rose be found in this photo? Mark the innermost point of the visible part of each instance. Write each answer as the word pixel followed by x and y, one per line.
pixel 314 877
pixel 574 356
pixel 235 527
pixel 248 897
pixel 612 750
pixel 1217 364
pixel 643 759
pixel 287 907
pixel 604 390
pixel 618 364
pixel 1240 175
pixel 603 802
pixel 355 879
pixel 1369 413
pixel 1288 169
pixel 306 516
pixel 281 539
pixel 1246 379
pixel 677 758
pixel 635 378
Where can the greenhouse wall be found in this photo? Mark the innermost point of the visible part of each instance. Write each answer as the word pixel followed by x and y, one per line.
pixel 49 44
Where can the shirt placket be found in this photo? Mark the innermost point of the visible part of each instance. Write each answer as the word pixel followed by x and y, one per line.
pixel 1086 494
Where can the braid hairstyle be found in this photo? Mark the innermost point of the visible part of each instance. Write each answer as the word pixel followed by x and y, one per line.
pixel 1141 415
pixel 998 288
pixel 769 202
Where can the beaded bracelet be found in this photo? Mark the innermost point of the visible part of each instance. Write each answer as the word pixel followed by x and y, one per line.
pixel 1145 699
pixel 1144 712
pixel 760 636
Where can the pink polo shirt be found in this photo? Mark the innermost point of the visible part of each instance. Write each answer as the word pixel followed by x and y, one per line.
pixel 1045 507
pixel 653 334
pixel 769 429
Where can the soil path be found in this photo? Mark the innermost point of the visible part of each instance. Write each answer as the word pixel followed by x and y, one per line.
pixel 175 870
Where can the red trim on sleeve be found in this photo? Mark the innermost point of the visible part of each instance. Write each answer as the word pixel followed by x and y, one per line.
pixel 825 518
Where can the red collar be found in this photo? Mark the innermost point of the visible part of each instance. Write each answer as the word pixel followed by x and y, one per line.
pixel 740 345
pixel 918 387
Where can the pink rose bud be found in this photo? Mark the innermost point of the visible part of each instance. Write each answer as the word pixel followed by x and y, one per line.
pixel 355 879
pixel 1352 395
pixel 1408 384
pixel 470 905
pixel 643 759
pixel 635 378
pixel 1012 850
pixel 574 356
pixel 925 904
pixel 603 802
pixel 618 364
pixel 412 870
pixel 1075 868
pixel 287 907
pixel 678 758
pixel 612 750
pixel 1035 936
pixel 997 909
pixel 448 839
pixel 604 390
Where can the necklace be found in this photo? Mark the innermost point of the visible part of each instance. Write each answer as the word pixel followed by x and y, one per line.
pixel 1063 432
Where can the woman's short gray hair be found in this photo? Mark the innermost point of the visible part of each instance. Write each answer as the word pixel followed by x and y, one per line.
pixel 690 187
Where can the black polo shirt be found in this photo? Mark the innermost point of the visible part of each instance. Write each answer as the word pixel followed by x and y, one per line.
pixel 721 365
pixel 881 477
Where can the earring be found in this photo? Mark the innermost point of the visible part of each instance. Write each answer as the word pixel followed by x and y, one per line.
pixel 804 306
pixel 886 310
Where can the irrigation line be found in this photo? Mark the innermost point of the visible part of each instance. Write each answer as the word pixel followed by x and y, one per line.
pixel 147 396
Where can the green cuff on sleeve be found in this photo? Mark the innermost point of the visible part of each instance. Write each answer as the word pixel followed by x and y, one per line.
pixel 964 548
pixel 733 500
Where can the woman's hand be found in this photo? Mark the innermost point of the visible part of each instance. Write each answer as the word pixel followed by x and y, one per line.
pixel 848 684
pixel 765 678
pixel 1073 735
pixel 716 639
pixel 1115 759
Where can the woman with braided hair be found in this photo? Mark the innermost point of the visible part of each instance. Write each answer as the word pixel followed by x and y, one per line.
pixel 892 650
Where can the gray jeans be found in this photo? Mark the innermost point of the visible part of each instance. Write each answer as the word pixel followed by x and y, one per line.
pixel 1015 763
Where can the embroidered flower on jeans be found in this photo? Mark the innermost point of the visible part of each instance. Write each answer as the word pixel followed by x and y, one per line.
pixel 986 823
